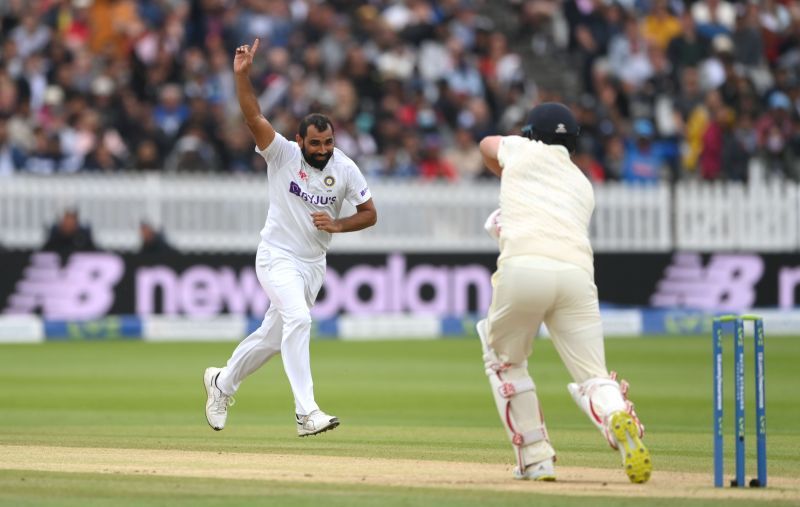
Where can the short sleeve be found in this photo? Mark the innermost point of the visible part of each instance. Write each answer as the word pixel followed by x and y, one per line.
pixel 279 151
pixel 357 189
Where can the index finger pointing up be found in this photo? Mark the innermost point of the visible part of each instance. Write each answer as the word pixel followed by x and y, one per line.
pixel 255 46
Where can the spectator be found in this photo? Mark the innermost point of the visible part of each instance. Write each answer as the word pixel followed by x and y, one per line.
pixel 171 112
pixel 774 135
pixel 719 65
pixel 748 40
pixel 101 159
pixel 356 142
pixel 614 157
pixel 192 152
pixel 153 241
pixel 713 17
pixel 660 26
pixel 147 156
pixel 688 48
pixel 690 95
pixel 589 165
pixel 433 166
pixel 695 125
pixel 31 36
pixel 46 156
pixel 718 126
pixel 403 161
pixel 12 158
pixel 68 235
pixel 776 21
pixel 464 155
pixel 628 58
pixel 739 145
pixel 644 161
pixel 593 25
pixel 464 79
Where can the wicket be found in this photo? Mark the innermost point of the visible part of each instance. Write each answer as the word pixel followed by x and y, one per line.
pixel 761 413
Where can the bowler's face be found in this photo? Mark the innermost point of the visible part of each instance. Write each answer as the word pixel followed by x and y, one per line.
pixel 317 147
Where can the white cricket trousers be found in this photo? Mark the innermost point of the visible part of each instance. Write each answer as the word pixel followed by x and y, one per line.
pixel 292 286
pixel 529 290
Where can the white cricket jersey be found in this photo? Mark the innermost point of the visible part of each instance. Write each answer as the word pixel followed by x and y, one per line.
pixel 297 189
pixel 546 203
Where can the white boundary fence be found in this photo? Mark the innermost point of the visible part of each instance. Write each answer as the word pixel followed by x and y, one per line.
pixel 735 216
pixel 225 213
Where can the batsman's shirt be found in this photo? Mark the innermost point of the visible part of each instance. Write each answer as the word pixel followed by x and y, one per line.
pixel 297 189
pixel 546 203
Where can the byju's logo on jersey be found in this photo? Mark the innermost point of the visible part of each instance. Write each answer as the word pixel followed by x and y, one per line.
pixel 726 283
pixel 82 289
pixel 318 200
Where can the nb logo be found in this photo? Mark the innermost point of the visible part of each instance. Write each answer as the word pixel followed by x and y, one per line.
pixel 82 289
pixel 726 283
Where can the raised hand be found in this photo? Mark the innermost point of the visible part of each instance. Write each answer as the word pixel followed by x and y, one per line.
pixel 244 58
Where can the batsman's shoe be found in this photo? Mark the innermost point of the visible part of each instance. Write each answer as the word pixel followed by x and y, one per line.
pixel 315 422
pixel 635 456
pixel 217 402
pixel 541 471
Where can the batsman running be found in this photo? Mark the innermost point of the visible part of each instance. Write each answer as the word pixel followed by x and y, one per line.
pixel 545 274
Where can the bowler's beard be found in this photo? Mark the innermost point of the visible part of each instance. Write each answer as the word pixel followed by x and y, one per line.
pixel 316 161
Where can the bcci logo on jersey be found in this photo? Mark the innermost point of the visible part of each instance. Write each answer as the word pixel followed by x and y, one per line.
pixel 318 200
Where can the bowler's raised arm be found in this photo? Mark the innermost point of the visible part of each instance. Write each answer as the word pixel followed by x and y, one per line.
pixel 259 126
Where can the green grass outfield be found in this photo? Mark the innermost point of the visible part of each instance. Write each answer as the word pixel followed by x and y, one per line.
pixel 409 400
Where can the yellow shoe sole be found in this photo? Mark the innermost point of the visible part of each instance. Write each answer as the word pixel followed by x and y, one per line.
pixel 635 456
pixel 538 478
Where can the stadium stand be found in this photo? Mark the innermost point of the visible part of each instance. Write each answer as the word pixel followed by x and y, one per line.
pixel 665 89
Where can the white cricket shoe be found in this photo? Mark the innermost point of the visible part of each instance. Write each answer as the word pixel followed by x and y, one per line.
pixel 315 422
pixel 541 471
pixel 218 402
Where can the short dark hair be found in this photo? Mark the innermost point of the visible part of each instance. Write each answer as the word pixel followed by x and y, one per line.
pixel 319 121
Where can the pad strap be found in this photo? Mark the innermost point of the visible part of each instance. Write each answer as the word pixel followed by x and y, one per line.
pixel 511 388
pixel 530 437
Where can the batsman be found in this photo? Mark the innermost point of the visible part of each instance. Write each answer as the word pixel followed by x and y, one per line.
pixel 545 274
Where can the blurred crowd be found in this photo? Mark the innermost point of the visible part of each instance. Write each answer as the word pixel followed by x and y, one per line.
pixel 677 90
pixel 664 89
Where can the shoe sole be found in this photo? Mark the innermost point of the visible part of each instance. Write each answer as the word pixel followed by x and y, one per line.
pixel 331 426
pixel 208 395
pixel 635 456
pixel 541 478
